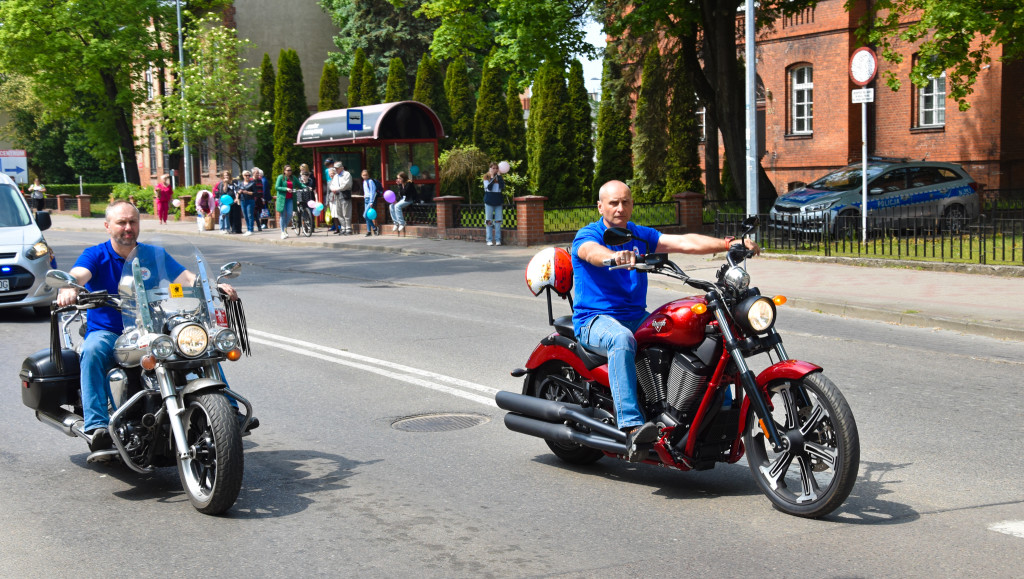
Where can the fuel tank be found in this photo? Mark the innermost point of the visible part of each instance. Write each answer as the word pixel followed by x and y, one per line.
pixel 674 324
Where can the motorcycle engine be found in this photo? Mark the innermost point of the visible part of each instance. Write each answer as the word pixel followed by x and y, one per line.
pixel 676 378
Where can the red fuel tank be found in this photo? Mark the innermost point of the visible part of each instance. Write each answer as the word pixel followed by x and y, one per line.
pixel 674 324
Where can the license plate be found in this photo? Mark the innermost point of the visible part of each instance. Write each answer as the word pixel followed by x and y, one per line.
pixel 5 285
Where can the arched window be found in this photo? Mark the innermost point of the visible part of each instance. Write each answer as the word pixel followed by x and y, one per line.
pixel 801 79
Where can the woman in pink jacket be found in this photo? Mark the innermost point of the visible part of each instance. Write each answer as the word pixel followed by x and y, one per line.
pixel 162 198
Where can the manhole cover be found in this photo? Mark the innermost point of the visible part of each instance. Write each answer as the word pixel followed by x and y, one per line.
pixel 438 422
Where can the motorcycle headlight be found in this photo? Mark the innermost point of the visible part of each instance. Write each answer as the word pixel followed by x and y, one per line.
pixel 191 339
pixel 162 347
pixel 225 340
pixel 39 249
pixel 737 278
pixel 755 314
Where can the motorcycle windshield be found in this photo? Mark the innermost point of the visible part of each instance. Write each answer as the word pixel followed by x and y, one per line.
pixel 166 279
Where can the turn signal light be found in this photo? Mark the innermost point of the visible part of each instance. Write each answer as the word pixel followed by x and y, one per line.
pixel 234 355
pixel 698 308
pixel 148 362
pixel 779 300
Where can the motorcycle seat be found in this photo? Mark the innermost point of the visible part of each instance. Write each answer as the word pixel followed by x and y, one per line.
pixel 563 326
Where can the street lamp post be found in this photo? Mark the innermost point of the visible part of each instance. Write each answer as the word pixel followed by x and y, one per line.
pixel 751 99
pixel 184 129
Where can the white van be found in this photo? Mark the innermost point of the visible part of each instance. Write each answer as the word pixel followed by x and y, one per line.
pixel 24 254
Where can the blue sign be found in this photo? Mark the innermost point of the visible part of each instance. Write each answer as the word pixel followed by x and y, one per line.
pixel 355 119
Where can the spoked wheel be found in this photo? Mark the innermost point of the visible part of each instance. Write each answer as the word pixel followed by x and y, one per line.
pixel 212 476
pixel 954 219
pixel 547 384
pixel 816 473
pixel 296 223
pixel 307 223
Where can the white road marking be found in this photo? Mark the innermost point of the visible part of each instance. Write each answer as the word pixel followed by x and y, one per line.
pixel 407 374
pixel 1015 528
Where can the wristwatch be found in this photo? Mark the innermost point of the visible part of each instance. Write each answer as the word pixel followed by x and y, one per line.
pixel 728 241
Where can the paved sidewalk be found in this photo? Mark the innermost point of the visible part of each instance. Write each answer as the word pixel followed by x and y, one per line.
pixel 979 300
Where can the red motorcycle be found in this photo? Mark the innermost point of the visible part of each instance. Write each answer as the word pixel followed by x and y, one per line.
pixel 695 384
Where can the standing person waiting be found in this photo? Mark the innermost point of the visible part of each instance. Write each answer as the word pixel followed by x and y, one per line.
pixel 406 196
pixel 334 201
pixel 342 182
pixel 162 197
pixel 371 189
pixel 259 201
pixel 224 187
pixel 247 197
pixel 494 197
pixel 38 191
pixel 285 186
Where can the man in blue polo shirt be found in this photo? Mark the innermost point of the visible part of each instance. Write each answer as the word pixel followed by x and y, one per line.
pixel 99 268
pixel 611 304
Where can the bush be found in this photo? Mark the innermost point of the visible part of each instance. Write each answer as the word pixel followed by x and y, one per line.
pixel 97 192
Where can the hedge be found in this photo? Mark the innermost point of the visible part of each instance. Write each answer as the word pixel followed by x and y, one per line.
pixel 144 196
pixel 97 192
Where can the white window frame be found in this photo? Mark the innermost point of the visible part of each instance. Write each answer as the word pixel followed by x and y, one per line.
pixel 701 123
pixel 802 98
pixel 152 151
pixel 933 114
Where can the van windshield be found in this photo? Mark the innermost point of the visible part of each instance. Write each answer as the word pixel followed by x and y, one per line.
pixel 13 211
pixel 844 179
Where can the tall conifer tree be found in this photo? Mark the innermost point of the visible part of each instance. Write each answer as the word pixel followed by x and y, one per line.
pixel 490 126
pixel 330 88
pixel 579 136
pixel 264 156
pixel 355 79
pixel 369 91
pixel 430 91
pixel 290 111
pixel 516 125
pixel 548 159
pixel 614 138
pixel 397 87
pixel 461 101
pixel 682 165
pixel 650 140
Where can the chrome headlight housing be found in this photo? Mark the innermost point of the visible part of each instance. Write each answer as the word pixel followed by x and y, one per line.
pixel 225 340
pixel 818 206
pixel 191 339
pixel 755 314
pixel 736 278
pixel 38 249
pixel 162 347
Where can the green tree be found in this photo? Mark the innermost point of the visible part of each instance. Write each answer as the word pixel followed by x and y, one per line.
pixel 330 88
pixel 397 87
pixel 682 165
pixel 218 102
pixel 459 92
pixel 429 90
pixel 264 157
pixel 516 127
pixel 614 138
pixel 650 139
pixel 490 125
pixel 87 60
pixel 461 168
pixel 355 80
pixel 289 112
pixel 547 151
pixel 580 133
pixel 369 90
pixel 956 37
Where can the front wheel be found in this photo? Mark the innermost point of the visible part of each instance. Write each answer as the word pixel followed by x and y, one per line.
pixel 307 223
pixel 816 473
pixel 212 476
pixel 549 383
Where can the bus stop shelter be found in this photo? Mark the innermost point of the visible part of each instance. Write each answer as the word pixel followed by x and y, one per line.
pixel 393 137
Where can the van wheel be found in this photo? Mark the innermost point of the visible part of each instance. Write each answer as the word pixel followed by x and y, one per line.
pixel 954 219
pixel 846 226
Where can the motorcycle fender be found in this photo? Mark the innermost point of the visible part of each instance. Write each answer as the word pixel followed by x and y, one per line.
pixel 552 352
pixel 786 370
pixel 200 384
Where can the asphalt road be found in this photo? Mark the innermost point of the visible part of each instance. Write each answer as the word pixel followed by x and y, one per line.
pixel 348 345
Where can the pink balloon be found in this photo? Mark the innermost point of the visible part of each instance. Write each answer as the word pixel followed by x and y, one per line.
pixel 176 202
pixel 389 196
pixel 311 203
pixel 503 167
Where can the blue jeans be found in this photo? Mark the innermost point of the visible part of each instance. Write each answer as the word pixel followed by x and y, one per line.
pixel 492 217
pixel 606 335
pixel 286 214
pixel 249 210
pixel 96 360
pixel 370 225
pixel 396 212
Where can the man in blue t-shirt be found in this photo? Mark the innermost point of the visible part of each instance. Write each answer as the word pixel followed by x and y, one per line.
pixel 610 304
pixel 99 268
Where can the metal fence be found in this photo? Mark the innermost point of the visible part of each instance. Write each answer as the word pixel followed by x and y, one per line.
pixel 472 215
pixel 984 239
pixel 571 219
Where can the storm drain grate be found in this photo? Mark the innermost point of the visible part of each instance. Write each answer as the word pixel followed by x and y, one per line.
pixel 439 422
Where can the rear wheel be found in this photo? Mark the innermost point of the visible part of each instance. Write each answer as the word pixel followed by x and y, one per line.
pixel 954 219
pixel 212 476
pixel 816 473
pixel 547 384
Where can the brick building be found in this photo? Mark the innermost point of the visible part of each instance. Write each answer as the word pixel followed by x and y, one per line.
pixel 811 126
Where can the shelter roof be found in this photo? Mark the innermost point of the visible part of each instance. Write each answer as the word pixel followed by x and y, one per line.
pixel 388 121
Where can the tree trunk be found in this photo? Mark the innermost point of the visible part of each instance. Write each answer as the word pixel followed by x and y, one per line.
pixel 123 126
pixel 712 164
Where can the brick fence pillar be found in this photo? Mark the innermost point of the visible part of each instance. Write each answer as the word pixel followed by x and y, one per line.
pixel 530 215
pixel 691 211
pixel 447 209
pixel 181 208
pixel 62 202
pixel 84 206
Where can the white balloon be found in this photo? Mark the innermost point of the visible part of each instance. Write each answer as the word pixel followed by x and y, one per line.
pixel 503 167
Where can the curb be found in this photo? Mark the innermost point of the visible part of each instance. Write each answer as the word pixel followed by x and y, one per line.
pixel 968 268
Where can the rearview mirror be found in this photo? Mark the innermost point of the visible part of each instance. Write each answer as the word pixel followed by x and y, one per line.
pixel 617 236
pixel 56 278
pixel 750 224
pixel 230 270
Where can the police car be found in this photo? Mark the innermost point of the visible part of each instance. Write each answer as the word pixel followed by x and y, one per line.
pixel 941 192
pixel 24 254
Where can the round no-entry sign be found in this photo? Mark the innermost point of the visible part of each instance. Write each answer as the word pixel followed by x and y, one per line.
pixel 863 66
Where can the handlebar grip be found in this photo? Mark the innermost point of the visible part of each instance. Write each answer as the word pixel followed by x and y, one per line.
pixel 609 262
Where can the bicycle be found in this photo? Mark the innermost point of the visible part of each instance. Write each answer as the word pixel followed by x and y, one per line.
pixel 302 218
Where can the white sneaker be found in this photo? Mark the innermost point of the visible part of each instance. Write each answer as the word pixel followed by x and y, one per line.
pixel 497 243
pixel 490 243
pixel 394 228
pixel 284 235
pixel 247 233
pixel 401 228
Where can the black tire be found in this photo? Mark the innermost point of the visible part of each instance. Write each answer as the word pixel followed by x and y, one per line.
pixel 544 387
pixel 41 311
pixel 213 478
pixel 826 455
pixel 954 219
pixel 307 223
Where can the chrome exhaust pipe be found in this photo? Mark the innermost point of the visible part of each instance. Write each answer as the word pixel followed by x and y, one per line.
pixel 561 433
pixel 67 422
pixel 556 412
